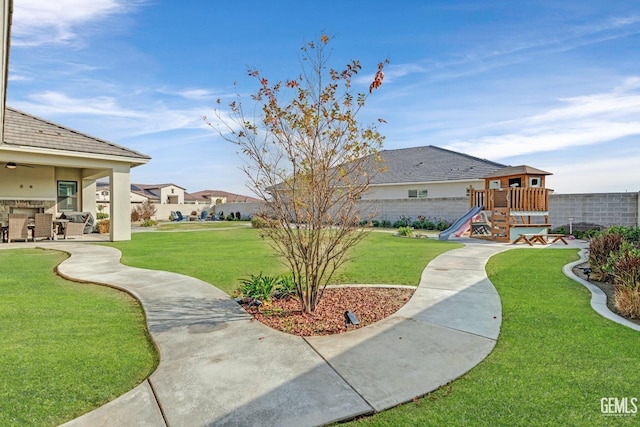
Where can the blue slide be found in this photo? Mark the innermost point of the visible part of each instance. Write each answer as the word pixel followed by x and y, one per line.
pixel 460 222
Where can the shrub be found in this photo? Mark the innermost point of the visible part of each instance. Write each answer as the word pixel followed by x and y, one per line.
pixel 103 226
pixel 375 223
pixel 238 216
pixel 262 222
pixel 101 215
pixel 148 223
pixel 385 223
pixel 259 287
pixel 602 244
pixel 285 286
pixel 230 217
pixel 143 211
pixel 624 266
pixel 627 302
pixel 265 287
pixel 405 231
pixel 442 225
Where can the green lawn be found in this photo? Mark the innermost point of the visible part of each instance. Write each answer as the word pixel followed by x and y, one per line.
pixel 200 225
pixel 65 347
pixel 222 257
pixel 553 363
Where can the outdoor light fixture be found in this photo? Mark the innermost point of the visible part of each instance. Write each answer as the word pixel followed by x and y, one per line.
pixel 350 319
pixel 255 303
pixel 10 165
pixel 587 271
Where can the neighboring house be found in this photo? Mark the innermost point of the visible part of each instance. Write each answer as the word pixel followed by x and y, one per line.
pixel 158 194
pixel 217 197
pixel 46 167
pixel 428 172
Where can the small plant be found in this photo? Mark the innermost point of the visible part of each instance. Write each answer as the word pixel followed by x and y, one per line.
pixel 103 226
pixel 405 231
pixel 101 215
pixel 624 267
pixel 286 286
pixel 148 223
pixel 259 287
pixel 385 223
pixel 143 212
pixel 602 244
pixel 238 216
pixel 442 225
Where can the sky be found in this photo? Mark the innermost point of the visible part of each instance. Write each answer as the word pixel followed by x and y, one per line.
pixel 546 83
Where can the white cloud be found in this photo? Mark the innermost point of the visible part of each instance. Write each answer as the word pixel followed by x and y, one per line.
pixel 580 121
pixel 38 22
pixel 116 120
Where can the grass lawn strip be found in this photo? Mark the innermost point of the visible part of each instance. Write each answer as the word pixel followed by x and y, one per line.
pixel 223 257
pixel 555 359
pixel 65 348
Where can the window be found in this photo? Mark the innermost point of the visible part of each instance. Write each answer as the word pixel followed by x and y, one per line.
pixel 495 184
pixel 67 196
pixel 535 182
pixel 418 194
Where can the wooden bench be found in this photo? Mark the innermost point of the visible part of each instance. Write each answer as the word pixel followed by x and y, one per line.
pixel 542 239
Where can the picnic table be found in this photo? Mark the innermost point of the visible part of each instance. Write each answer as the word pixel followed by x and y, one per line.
pixel 543 239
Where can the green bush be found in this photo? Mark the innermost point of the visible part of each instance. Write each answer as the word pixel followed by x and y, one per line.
pixel 265 288
pixel 148 223
pixel 285 286
pixel 259 287
pixel 385 223
pixel 262 222
pixel 405 231
pixel 101 215
pixel 442 225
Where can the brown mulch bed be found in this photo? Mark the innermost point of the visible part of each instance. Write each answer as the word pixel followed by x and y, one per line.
pixel 368 303
pixel 607 288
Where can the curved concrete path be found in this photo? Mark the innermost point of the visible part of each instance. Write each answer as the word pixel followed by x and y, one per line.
pixel 220 367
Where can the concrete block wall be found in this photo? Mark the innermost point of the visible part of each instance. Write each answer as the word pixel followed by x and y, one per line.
pixel 604 209
pixel 446 208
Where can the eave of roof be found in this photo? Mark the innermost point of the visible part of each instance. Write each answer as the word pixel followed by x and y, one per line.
pixel 24 130
pixel 517 170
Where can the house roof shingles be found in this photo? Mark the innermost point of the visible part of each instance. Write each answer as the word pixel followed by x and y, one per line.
pixel 22 129
pixel 517 170
pixel 430 163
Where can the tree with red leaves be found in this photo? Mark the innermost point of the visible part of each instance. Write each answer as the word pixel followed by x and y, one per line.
pixel 310 160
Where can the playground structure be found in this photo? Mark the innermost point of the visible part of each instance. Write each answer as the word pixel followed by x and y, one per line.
pixel 514 202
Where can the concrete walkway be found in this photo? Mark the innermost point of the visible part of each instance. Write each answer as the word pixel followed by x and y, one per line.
pixel 220 367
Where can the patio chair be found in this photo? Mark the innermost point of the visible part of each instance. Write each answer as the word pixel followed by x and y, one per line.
pixel 179 216
pixel 75 229
pixel 203 215
pixel 173 216
pixel 18 228
pixel 43 228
